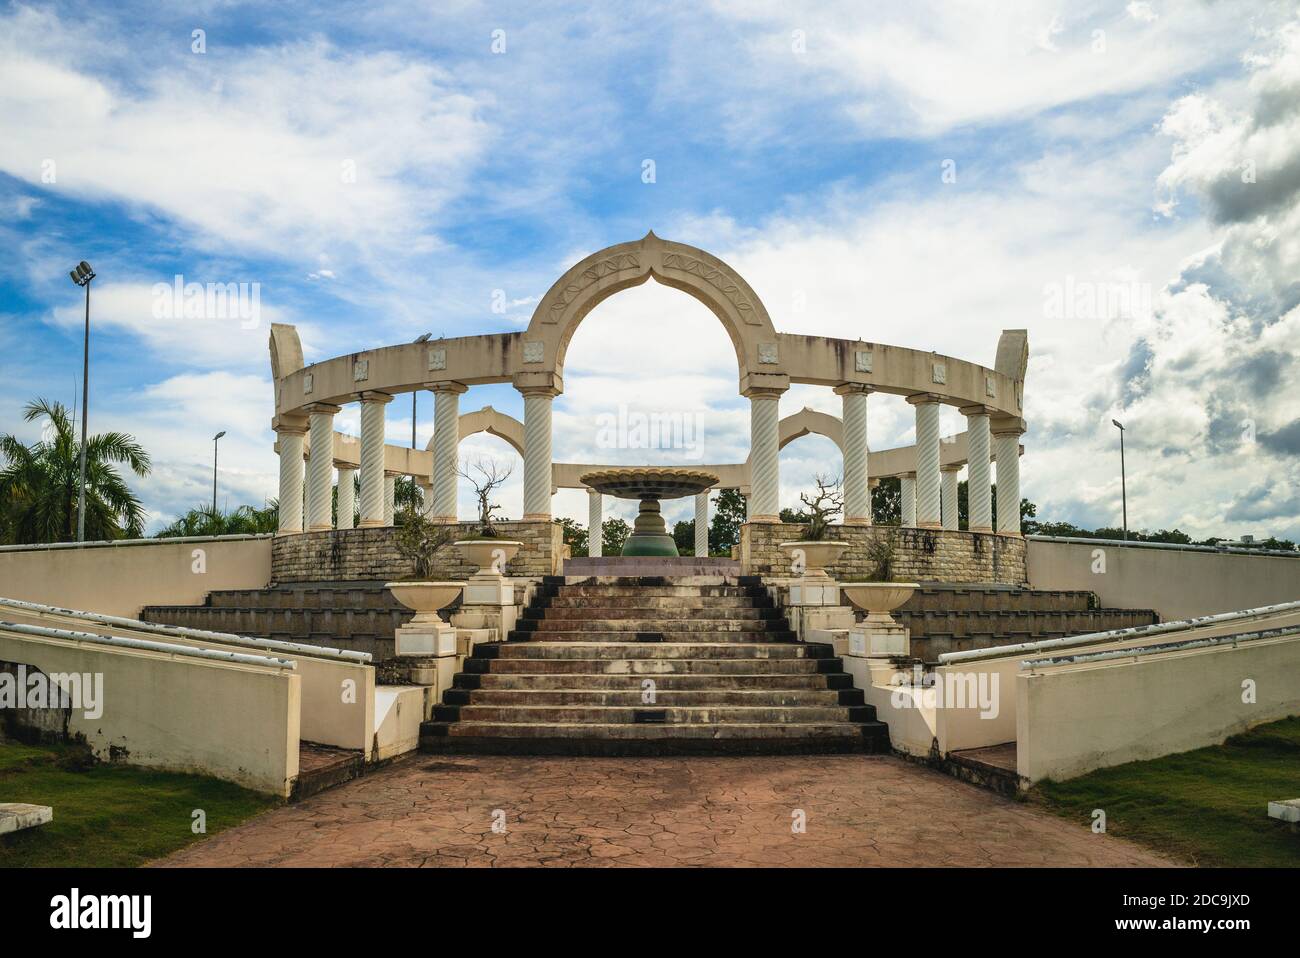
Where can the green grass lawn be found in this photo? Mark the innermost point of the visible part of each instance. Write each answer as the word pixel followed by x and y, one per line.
pixel 110 815
pixel 1208 807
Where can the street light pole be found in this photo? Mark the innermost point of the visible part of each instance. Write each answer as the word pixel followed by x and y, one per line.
pixel 82 275
pixel 214 470
pixel 1123 483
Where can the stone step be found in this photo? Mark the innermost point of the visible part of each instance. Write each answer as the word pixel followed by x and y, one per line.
pixel 686 613
pixel 358 597
pixel 753 698
pixel 666 602
pixel 975 599
pixel 626 681
pixel 959 624
pixel 650 650
pixel 580 738
pixel 655 714
pixel 552 624
pixel 650 667
pixel 648 635
pixel 661 591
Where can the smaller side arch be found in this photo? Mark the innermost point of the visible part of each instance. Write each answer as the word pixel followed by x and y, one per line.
pixel 493 423
pixel 808 420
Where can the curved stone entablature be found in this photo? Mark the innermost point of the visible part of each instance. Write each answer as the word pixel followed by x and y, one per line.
pixel 308 396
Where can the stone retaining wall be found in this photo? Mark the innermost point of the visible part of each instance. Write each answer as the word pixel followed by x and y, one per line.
pixel 921 555
pixel 342 555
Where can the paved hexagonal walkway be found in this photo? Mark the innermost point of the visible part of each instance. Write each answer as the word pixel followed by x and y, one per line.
pixel 858 810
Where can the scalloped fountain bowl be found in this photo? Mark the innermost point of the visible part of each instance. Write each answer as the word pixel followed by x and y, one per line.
pixel 649 484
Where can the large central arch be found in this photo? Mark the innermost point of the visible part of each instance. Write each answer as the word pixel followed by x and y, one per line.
pixel 616 268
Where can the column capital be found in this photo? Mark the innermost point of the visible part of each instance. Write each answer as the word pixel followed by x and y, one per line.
pixel 283 428
pixel 762 392
pixel 345 465
pixel 538 384
pixel 849 389
pixel 924 399
pixel 978 409
pixel 447 386
pixel 952 467
pixel 907 475
pixel 373 396
pixel 322 409
pixel 1007 426
pixel 751 384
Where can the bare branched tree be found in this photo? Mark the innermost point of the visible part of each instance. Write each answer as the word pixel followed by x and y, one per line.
pixel 823 507
pixel 486 476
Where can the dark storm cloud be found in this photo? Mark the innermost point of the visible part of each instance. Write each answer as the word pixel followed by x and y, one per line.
pixel 1284 441
pixel 1135 374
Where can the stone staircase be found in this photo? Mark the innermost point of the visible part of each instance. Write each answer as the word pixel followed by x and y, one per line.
pixel 956 618
pixel 358 616
pixel 652 665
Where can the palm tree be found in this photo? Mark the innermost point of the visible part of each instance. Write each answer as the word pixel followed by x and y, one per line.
pixel 38 483
pixel 205 521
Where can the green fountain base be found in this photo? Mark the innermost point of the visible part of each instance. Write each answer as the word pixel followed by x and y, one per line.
pixel 649 534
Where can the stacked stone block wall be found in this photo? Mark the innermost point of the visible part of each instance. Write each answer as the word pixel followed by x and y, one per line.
pixel 921 555
pixel 370 554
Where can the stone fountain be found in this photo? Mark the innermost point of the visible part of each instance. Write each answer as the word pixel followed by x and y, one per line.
pixel 649 484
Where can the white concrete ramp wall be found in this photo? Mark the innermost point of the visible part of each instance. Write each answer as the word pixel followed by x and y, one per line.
pixel 230 715
pixel 1177 581
pixel 1079 713
pixel 120 578
pixel 337 687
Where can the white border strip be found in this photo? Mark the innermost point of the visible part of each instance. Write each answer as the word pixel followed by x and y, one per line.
pixel 226 638
pixel 187 651
pixel 1144 650
pixel 1091 638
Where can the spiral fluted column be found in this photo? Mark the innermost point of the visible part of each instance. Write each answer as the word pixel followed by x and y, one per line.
pixel 764 455
pixel 446 442
pixel 1006 449
pixel 320 466
pixel 857 487
pixel 979 501
pixel 372 458
pixel 289 439
pixel 346 505
pixel 537 451
pixel 927 461
pixel 948 495
pixel 595 523
pixel 390 497
pixel 907 489
pixel 702 524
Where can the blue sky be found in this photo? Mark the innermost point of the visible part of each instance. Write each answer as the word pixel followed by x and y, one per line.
pixel 1101 148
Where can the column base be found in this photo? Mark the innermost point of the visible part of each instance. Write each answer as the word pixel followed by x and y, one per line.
pixel 371 524
pixel 443 520
pixel 929 525
pixel 766 520
pixel 986 530
pixel 537 517
pixel 319 528
pixel 288 532
pixel 858 521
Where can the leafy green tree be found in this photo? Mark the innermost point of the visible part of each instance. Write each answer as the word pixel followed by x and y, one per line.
pixel 613 534
pixel 575 536
pixel 728 516
pixel 205 521
pixel 887 502
pixel 684 536
pixel 38 483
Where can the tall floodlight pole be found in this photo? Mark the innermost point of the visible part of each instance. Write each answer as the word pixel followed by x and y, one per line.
pixel 82 275
pixel 1123 486
pixel 214 470
pixel 423 338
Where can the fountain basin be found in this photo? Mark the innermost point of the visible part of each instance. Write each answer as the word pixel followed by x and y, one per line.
pixel 649 484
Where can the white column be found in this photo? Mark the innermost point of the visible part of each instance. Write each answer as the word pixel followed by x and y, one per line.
pixel 979 502
pixel 390 497
pixel 764 455
pixel 702 524
pixel 948 485
pixel 290 442
pixel 1006 448
pixel 372 458
pixel 446 443
pixel 907 486
pixel 537 452
pixel 320 466
pixel 346 505
pixel 927 460
pixel 857 487
pixel 595 523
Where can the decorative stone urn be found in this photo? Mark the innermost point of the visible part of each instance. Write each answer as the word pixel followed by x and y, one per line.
pixel 426 634
pixel 490 555
pixel 811 557
pixel 880 634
